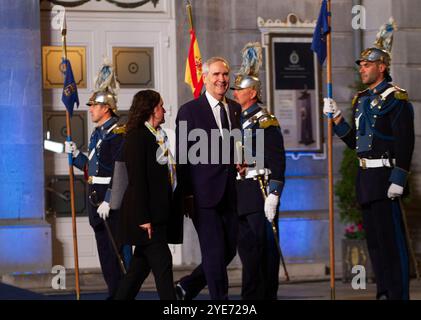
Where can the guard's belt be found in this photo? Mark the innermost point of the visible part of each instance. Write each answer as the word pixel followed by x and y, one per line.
pixel 375 163
pixel 99 180
pixel 251 174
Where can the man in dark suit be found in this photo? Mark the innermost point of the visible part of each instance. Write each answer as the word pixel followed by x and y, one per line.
pixel 211 183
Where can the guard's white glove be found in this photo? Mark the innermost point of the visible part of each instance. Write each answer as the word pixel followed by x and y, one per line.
pixel 271 206
pixel 394 191
pixel 330 106
pixel 70 147
pixel 104 210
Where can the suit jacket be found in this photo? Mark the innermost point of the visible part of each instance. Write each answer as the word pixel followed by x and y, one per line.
pixel 205 181
pixel 149 197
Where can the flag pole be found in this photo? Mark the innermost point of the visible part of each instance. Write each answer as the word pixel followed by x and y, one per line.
pixel 71 175
pixel 330 156
pixel 190 14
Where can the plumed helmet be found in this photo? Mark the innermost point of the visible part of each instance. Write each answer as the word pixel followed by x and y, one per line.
pixel 106 87
pixel 248 76
pixel 374 54
pixel 104 98
pixel 245 81
pixel 381 51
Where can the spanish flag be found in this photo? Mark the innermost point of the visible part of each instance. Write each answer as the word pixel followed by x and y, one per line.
pixel 193 75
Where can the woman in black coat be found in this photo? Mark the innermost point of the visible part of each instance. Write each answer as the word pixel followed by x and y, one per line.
pixel 148 208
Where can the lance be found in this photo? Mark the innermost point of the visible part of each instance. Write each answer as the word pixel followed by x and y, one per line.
pixel 330 157
pixel 409 240
pixel 115 248
pixel 71 175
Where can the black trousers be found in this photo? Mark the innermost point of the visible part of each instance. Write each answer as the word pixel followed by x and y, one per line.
pixel 108 259
pixel 217 230
pixel 387 247
pixel 259 256
pixel 155 256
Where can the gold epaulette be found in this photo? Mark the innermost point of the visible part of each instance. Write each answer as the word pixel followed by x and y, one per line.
pixel 359 94
pixel 120 130
pixel 267 120
pixel 401 94
pixel 354 100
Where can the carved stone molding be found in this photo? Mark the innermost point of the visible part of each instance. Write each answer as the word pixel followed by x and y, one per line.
pixel 118 3
pixel 292 20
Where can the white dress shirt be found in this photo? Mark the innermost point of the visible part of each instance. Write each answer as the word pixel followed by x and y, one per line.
pixel 216 109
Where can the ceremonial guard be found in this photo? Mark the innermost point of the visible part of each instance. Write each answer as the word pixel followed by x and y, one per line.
pixel 258 243
pixel 104 147
pixel 382 134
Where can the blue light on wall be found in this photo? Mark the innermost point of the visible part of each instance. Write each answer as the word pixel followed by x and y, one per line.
pixel 21 153
pixel 304 194
pixel 304 239
pixel 25 238
pixel 25 248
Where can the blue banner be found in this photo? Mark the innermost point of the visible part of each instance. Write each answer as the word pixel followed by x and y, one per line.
pixel 69 96
pixel 320 32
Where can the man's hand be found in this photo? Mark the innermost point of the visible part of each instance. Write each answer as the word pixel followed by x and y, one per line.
pixel 271 206
pixel 70 147
pixel 330 106
pixel 241 169
pixel 104 210
pixel 147 227
pixel 394 191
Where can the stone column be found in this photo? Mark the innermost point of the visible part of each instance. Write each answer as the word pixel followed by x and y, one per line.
pixel 25 237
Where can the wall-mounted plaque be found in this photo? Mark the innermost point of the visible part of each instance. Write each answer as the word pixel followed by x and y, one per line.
pixel 52 70
pixel 294 86
pixel 134 67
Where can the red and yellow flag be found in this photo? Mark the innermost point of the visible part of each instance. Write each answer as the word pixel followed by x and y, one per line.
pixel 193 75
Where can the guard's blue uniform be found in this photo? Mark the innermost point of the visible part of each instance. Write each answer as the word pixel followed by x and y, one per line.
pixel 104 147
pixel 383 129
pixel 256 243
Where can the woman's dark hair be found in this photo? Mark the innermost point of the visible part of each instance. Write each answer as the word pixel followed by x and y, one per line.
pixel 143 104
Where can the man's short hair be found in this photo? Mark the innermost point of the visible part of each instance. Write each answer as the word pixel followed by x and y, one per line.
pixel 206 65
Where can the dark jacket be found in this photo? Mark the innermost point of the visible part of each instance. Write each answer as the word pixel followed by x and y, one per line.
pixel 101 164
pixel 148 197
pixel 249 194
pixel 386 130
pixel 207 182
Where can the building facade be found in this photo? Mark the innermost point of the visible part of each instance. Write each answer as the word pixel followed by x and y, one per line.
pixel 148 41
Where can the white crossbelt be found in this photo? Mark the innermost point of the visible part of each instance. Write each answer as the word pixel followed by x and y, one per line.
pixel 385 94
pixel 99 180
pixel 375 163
pixel 252 119
pixel 254 173
pixel 91 154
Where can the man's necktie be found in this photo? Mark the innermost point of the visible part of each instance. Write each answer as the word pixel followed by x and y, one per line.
pixel 224 116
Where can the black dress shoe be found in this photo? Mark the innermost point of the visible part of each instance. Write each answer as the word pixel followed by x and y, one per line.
pixel 180 292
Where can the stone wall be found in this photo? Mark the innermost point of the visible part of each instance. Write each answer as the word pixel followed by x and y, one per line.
pixel 222 28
